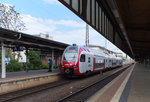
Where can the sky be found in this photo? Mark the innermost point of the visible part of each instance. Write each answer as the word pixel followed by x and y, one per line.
pixel 50 16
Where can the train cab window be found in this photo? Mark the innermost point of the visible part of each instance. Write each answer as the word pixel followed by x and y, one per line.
pixel 89 60
pixel 82 58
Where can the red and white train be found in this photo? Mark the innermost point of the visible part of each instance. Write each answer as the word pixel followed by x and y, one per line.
pixel 79 60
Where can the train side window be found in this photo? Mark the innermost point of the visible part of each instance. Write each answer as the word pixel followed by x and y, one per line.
pixel 89 60
pixel 82 58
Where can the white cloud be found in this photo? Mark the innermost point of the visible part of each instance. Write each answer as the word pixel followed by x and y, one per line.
pixel 70 37
pixel 69 23
pixel 39 25
pixel 6 4
pixel 75 35
pixel 51 1
pixel 36 25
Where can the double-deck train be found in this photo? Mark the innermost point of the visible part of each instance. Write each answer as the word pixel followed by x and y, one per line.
pixel 80 60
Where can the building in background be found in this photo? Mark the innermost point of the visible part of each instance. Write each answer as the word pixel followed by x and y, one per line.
pixel 22 57
pixel 46 36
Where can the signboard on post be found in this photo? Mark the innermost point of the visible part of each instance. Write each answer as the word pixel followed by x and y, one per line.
pixel 18 48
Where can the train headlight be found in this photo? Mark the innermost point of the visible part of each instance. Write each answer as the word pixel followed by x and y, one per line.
pixel 67 71
pixel 74 66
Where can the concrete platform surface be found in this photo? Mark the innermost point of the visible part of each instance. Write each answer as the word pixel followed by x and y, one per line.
pixel 140 85
pixel 133 85
pixel 20 80
pixel 22 74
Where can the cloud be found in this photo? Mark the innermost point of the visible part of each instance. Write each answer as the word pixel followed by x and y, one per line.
pixel 38 25
pixel 75 34
pixel 51 1
pixel 69 23
pixel 70 37
pixel 6 4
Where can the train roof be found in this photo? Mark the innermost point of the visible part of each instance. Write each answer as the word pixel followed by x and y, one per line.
pixel 95 52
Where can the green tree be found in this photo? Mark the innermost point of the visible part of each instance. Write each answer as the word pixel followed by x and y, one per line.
pixel 10 19
pixel 14 66
pixel 34 59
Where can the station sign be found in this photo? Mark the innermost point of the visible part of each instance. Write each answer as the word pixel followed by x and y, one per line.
pixel 18 48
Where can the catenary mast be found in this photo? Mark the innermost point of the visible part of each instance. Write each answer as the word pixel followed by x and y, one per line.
pixel 87 35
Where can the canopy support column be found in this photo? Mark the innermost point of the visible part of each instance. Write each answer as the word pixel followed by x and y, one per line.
pixel 53 59
pixel 27 60
pixel 3 75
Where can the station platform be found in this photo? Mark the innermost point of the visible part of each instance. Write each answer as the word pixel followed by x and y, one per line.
pixel 133 85
pixel 20 80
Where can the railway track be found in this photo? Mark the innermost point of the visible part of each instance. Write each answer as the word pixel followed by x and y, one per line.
pixel 83 94
pixel 25 92
pixel 77 95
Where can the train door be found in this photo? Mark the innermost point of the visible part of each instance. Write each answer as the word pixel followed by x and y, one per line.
pixel 93 64
pixel 101 62
pixel 106 62
pixel 110 62
pixel 114 63
pixel 90 63
pixel 82 63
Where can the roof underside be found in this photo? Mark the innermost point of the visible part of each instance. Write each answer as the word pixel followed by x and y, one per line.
pixel 10 39
pixel 136 18
pixel 126 23
pixel 98 15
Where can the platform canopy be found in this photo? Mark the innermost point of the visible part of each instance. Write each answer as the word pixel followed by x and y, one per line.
pixel 18 40
pixel 13 39
pixel 123 22
pixel 136 18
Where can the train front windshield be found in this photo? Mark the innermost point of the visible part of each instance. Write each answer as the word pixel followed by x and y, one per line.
pixel 70 54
